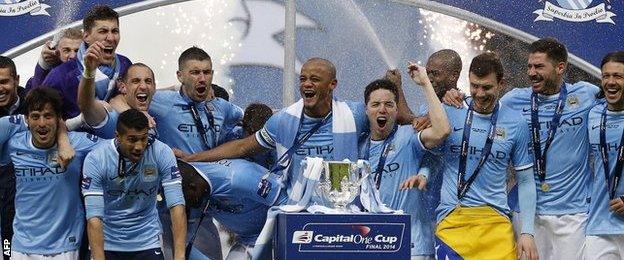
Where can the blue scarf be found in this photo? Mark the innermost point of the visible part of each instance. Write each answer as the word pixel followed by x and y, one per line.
pixel 105 76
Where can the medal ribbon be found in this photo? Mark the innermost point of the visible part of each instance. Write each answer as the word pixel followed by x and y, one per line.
pixel 382 157
pixel 612 179
pixel 462 184
pixel 284 161
pixel 539 155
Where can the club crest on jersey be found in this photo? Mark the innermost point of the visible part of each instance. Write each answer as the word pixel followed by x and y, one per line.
pixel 210 107
pixel 575 11
pixel 149 173
pixel 391 148
pixel 53 158
pixel 500 134
pixel 573 102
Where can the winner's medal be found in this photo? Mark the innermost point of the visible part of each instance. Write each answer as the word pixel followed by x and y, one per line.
pixel 545 187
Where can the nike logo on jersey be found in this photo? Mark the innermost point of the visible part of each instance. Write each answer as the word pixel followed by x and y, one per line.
pixel 455 129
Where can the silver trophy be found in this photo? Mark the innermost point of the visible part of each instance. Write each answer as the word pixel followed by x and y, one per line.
pixel 340 182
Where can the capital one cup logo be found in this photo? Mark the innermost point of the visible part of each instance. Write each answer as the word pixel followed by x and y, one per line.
pixel 575 11
pixel 20 7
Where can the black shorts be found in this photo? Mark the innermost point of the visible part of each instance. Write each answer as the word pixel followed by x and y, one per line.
pixel 149 254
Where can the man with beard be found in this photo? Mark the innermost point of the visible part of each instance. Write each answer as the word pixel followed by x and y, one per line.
pixel 193 120
pixel 443 69
pixel 12 108
pixel 556 112
pixel 100 24
pixel 605 227
pixel 487 137
pixel 43 227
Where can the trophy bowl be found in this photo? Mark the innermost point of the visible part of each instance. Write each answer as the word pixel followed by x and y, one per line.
pixel 340 182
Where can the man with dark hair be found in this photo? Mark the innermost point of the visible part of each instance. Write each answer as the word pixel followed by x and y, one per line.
pixel 11 94
pixel 605 226
pixel 487 137
pixel 62 48
pixel 11 103
pixel 101 33
pixel 137 87
pixel 193 120
pixel 53 230
pixel 120 183
pixel 443 68
pixel 220 92
pixel 256 115
pixel 395 153
pixel 556 113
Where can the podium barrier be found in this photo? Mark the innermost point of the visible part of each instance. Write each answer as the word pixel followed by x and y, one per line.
pixel 342 236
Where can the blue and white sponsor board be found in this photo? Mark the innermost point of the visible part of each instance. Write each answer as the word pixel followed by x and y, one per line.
pixel 342 236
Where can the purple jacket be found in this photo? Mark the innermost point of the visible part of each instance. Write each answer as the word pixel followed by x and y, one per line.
pixel 37 78
pixel 66 77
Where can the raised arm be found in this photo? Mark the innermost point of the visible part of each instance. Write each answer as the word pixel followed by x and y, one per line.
pixel 234 149
pixel 94 111
pixel 405 115
pixel 66 151
pixel 440 128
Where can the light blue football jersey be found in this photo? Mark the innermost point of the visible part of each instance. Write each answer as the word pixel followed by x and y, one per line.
pixel 176 127
pixel 320 144
pixel 567 167
pixel 237 200
pixel 9 126
pixel 106 129
pixel 601 220
pixel 129 214
pixel 49 216
pixel 510 146
pixel 403 161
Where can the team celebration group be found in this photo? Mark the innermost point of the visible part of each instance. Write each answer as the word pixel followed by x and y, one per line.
pixel 97 163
